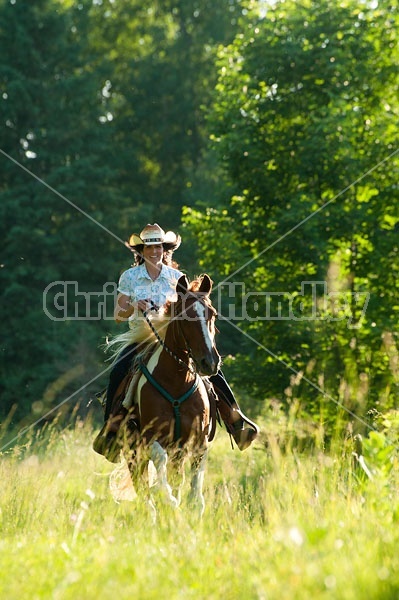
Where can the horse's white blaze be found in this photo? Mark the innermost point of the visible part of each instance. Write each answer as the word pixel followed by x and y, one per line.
pixel 199 309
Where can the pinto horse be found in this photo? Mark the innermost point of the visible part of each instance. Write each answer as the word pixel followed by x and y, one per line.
pixel 171 404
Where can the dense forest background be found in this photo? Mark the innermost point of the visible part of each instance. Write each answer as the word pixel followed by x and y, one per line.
pixel 266 134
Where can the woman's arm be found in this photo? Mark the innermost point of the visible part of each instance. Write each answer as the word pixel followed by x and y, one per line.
pixel 124 308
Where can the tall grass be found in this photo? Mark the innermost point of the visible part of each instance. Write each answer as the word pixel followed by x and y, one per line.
pixel 283 525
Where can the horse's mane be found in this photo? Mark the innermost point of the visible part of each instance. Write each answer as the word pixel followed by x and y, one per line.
pixel 141 334
pixel 194 285
pixel 192 289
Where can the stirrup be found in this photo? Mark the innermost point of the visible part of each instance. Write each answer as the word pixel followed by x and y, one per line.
pixel 106 443
pixel 243 436
pixel 101 397
pixel 246 420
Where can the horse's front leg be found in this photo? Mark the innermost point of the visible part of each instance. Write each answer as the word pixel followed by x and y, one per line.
pixel 137 463
pixel 196 497
pixel 159 457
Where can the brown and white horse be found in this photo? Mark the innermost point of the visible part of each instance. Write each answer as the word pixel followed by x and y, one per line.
pixel 171 403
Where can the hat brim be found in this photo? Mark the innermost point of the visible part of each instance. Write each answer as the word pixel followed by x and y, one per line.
pixel 135 240
pixel 171 241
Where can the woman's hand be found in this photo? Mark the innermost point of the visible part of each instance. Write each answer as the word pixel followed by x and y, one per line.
pixel 124 307
pixel 142 305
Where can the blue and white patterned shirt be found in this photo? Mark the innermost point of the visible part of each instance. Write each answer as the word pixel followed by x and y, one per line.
pixel 138 285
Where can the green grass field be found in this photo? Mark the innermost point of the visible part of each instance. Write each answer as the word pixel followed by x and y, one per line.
pixel 276 526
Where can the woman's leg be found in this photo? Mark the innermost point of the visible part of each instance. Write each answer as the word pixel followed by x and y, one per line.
pixel 106 442
pixel 233 417
pixel 119 370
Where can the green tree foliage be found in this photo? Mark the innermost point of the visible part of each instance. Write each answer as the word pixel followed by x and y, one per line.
pixel 100 101
pixel 161 58
pixel 304 127
pixel 50 111
pixel 104 103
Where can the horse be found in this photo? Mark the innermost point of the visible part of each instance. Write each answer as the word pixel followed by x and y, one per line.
pixel 170 406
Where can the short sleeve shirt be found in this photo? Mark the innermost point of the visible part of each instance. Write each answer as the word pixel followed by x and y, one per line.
pixel 138 285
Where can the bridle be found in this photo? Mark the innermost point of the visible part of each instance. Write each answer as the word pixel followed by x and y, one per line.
pixel 164 346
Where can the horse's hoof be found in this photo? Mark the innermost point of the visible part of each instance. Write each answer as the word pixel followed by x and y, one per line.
pixel 165 493
pixel 197 505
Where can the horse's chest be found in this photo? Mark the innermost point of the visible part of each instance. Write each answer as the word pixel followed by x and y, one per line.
pixel 152 363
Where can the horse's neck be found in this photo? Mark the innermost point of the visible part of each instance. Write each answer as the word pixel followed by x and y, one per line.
pixel 170 366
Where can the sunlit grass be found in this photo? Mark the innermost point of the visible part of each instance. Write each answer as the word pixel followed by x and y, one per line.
pixel 277 525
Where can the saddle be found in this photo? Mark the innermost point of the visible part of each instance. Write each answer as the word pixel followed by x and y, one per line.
pixel 123 423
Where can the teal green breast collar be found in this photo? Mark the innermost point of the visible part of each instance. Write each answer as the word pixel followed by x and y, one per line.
pixel 176 402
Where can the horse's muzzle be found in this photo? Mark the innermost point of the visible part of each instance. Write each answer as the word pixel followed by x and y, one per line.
pixel 209 366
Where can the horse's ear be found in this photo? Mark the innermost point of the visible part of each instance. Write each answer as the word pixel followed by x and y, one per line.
pixel 182 285
pixel 206 284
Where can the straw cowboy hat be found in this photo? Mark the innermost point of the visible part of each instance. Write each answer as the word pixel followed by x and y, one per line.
pixel 154 234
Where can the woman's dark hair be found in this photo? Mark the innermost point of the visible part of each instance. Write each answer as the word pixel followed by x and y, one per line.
pixel 167 259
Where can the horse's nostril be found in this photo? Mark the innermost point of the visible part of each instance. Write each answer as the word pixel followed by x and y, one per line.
pixel 205 365
pixel 209 367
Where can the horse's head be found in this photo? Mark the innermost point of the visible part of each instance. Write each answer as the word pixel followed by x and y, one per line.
pixel 196 318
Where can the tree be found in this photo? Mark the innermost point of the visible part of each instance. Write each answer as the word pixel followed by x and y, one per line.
pixel 50 112
pixel 101 103
pixel 162 59
pixel 302 122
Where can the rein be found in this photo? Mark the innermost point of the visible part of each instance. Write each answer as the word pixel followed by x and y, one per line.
pixel 165 347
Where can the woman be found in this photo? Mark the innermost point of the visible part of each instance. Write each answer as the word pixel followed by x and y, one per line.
pixel 150 284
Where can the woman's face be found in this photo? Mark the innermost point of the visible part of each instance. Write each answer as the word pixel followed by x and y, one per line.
pixel 153 254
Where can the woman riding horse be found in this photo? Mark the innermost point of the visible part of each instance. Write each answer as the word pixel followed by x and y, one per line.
pixel 150 284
